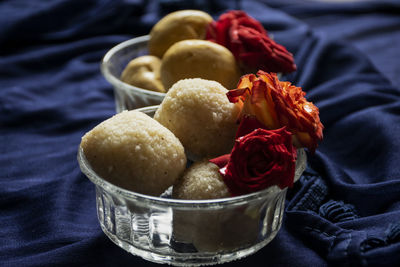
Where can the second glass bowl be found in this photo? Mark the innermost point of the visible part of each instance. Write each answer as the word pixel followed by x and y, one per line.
pixel 127 96
pixel 188 232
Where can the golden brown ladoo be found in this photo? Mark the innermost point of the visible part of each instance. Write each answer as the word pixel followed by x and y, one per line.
pixel 175 27
pixel 199 59
pixel 144 72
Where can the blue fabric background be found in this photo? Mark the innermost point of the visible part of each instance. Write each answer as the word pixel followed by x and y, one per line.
pixel 345 210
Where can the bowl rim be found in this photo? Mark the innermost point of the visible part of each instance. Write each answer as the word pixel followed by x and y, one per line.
pixel 183 203
pixel 115 81
pixel 238 200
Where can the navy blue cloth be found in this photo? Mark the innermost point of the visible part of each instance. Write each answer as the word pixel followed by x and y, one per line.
pixel 344 211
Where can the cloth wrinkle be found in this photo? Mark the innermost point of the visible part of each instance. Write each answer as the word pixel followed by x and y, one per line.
pixel 393 233
pixel 318 231
pixel 346 250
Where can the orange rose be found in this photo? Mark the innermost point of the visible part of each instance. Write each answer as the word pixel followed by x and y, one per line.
pixel 277 104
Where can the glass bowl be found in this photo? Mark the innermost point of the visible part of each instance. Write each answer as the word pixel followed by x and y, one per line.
pixel 188 232
pixel 127 96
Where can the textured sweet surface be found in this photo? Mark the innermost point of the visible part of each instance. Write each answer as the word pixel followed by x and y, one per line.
pixel 198 112
pixel 201 181
pixel 135 152
pixel 199 59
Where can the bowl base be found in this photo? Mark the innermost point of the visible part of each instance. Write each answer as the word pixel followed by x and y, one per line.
pixel 189 259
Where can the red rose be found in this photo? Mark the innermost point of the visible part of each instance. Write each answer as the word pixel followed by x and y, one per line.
pixel 248 41
pixel 259 160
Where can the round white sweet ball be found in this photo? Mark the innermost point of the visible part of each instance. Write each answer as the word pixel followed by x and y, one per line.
pixel 201 180
pixel 135 152
pixel 199 113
